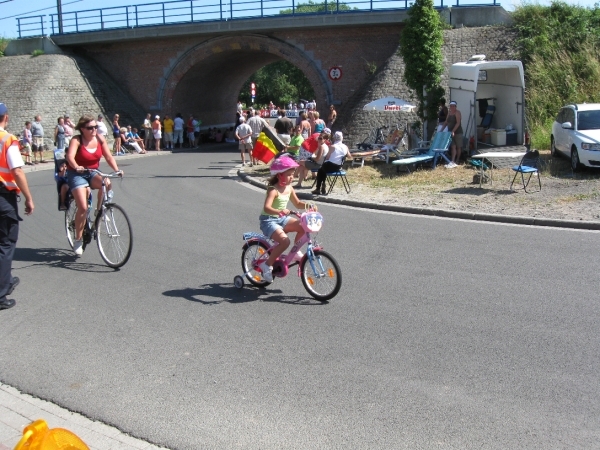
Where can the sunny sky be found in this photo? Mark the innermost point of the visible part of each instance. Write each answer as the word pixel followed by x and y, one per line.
pixel 11 9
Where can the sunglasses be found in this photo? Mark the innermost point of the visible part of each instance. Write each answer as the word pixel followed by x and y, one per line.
pixel 95 127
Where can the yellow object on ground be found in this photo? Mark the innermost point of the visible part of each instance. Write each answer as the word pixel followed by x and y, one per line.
pixel 37 436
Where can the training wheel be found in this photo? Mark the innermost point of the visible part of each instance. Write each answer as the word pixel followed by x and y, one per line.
pixel 238 282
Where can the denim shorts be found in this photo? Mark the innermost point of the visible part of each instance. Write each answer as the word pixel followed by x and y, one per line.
pixel 270 224
pixel 77 180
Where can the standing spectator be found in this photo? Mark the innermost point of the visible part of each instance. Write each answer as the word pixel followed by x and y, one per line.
pixel 147 127
pixel 190 131
pixel 59 134
pixel 332 116
pixel 453 122
pixel 319 123
pixel 69 127
pixel 311 120
pixel 157 132
pixel 256 123
pixel 197 122
pixel 12 183
pixel 102 130
pixel 117 135
pixel 305 124
pixel 244 133
pixel 178 130
pixel 26 143
pixel 168 124
pixel 37 135
pixel 284 127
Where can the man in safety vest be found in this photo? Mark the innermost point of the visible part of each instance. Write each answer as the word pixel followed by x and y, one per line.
pixel 12 183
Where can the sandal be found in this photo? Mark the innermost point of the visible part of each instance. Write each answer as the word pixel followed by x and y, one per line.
pixel 62 207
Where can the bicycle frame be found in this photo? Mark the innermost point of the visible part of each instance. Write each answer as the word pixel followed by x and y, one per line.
pixel 284 262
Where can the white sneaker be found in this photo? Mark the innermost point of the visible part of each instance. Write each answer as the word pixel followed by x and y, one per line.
pixel 267 272
pixel 78 247
pixel 298 256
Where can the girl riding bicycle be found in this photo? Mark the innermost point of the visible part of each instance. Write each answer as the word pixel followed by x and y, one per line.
pixel 275 220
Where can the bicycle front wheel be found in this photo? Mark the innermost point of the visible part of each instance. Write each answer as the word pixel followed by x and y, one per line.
pixel 115 238
pixel 321 275
pixel 70 222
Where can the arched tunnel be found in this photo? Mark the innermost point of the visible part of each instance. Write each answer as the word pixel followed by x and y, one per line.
pixel 206 81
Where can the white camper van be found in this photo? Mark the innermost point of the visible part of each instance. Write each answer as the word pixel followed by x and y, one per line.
pixel 490 96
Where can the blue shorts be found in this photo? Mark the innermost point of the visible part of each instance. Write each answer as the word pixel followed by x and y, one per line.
pixel 270 224
pixel 77 180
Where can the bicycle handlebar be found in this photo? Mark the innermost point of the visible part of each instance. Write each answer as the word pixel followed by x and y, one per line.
pixel 105 175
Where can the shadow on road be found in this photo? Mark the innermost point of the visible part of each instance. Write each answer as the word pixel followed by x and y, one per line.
pixel 216 293
pixel 478 191
pixel 53 257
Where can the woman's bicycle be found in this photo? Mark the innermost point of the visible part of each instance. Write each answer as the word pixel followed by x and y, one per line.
pixel 110 227
pixel 318 270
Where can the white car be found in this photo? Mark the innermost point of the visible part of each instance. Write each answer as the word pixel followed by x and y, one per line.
pixel 576 133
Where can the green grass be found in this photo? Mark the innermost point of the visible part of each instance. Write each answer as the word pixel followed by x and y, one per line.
pixel 560 49
pixel 3 43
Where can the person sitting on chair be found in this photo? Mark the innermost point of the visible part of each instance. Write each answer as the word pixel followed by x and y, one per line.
pixel 333 162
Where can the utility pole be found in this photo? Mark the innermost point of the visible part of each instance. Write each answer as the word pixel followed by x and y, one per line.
pixel 59 11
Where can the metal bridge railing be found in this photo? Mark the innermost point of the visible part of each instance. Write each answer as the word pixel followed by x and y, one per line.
pixel 190 11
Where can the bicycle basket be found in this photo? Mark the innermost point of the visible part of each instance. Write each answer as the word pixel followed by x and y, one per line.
pixel 311 222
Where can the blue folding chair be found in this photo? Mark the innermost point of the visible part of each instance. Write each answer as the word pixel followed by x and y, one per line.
pixel 528 165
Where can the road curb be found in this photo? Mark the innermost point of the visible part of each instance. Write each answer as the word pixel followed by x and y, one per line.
pixel 535 221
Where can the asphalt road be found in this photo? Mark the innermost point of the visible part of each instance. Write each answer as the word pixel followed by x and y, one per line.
pixel 445 334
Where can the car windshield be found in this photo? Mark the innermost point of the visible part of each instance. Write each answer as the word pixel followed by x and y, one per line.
pixel 588 120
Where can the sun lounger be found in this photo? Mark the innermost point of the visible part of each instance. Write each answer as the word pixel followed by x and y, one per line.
pixel 439 145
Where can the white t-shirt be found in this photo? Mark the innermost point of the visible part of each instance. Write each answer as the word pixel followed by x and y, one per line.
pixel 338 151
pixel 243 130
pixel 102 130
pixel 179 122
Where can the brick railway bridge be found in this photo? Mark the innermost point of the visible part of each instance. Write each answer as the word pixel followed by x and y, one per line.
pixel 201 67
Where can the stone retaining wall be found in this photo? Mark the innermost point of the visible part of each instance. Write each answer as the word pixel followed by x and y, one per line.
pixel 54 85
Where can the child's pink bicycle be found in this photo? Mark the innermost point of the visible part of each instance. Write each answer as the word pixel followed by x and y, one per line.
pixel 319 271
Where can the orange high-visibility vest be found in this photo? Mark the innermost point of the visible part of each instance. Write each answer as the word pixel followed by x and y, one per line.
pixel 7 178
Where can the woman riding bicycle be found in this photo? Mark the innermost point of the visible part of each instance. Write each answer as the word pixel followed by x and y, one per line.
pixel 275 220
pixel 84 153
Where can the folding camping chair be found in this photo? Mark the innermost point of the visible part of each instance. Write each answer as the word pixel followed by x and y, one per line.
pixel 486 121
pixel 528 165
pixel 332 178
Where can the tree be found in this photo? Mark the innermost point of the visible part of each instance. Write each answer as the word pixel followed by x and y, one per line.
pixel 421 48
pixel 312 7
pixel 280 82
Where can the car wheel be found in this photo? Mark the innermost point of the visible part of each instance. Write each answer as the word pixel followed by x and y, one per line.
pixel 575 164
pixel 553 150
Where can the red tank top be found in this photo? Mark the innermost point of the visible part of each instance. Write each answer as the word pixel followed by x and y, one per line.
pixel 86 159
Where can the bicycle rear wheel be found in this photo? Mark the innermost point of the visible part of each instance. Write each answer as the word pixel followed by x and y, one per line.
pixel 70 221
pixel 250 253
pixel 114 236
pixel 321 275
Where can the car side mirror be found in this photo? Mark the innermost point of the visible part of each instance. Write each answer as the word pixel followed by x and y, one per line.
pixel 567 126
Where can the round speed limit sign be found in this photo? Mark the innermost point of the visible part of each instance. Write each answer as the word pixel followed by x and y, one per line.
pixel 335 73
